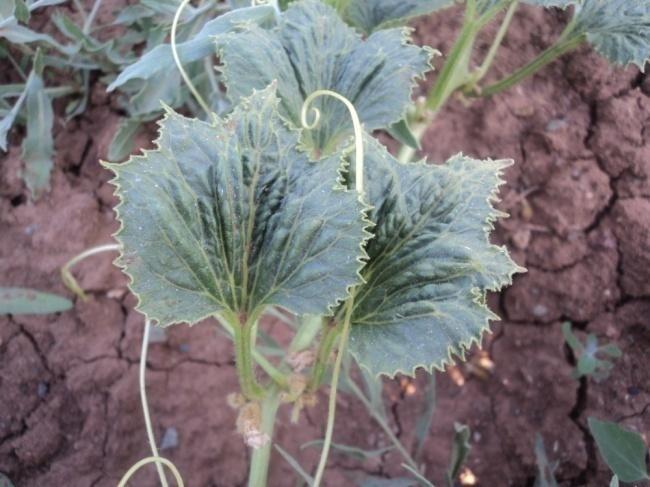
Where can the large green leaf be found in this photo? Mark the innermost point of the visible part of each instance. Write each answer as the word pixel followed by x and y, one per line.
pixel 231 217
pixel 618 29
pixel 312 49
pixel 371 15
pixel 430 261
pixel 623 450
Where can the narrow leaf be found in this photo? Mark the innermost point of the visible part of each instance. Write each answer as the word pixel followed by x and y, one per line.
pixel 160 60
pixel 431 263
pixel 312 49
pixel 8 120
pixel 122 143
pixel 422 481
pixel 545 469
pixel 232 217
pixel 401 132
pixel 295 465
pixel 459 451
pixel 38 146
pixel 623 450
pixel 351 451
pixel 423 422
pixel 14 301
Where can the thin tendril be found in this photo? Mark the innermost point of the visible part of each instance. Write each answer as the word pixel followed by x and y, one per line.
pixel 179 65
pixel 66 273
pixel 145 404
pixel 331 409
pixel 356 124
pixel 343 341
pixel 158 461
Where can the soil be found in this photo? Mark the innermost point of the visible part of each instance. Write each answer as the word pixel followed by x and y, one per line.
pixel 579 199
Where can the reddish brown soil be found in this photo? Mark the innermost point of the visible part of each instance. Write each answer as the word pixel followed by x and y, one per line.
pixel 579 195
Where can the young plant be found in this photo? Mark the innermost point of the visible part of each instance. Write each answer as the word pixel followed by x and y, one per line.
pixel 266 208
pixel 589 356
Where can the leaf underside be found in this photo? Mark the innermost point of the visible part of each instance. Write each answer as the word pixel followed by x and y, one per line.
pixel 618 29
pixel 232 217
pixel 430 262
pixel 371 15
pixel 313 49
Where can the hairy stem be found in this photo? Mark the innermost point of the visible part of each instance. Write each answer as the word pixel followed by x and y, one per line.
pixel 260 458
pixel 496 43
pixel 243 338
pixel 325 347
pixel 546 57
pixel 272 371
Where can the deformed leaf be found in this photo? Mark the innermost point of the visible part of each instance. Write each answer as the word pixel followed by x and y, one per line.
pixel 618 29
pixel 313 49
pixel 430 262
pixel 230 217
pixel 623 450
pixel 160 59
pixel 371 15
pixel 401 132
pixel 15 301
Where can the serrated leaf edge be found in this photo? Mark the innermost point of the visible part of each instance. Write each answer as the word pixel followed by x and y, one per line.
pixel 461 348
pixel 361 258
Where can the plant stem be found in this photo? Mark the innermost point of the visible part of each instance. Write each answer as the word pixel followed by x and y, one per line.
pixel 243 338
pixel 454 73
pixel 325 347
pixel 496 43
pixel 546 57
pixel 273 372
pixel 260 458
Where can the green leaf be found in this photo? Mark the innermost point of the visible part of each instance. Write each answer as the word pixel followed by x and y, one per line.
pixel 618 29
pixel 160 60
pixel 371 15
pixel 122 143
pixel 551 3
pixel 623 450
pixel 15 301
pixel 232 217
pixel 8 120
pixel 460 449
pixel 430 261
pixel 18 34
pixel 38 146
pixel 614 482
pixel 312 49
pixel 401 132
pixel 421 479
pixel 424 419
pixel 5 481
pixel 22 11
pixel 545 469
pixel 374 481
pixel 351 451
pixel 295 465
